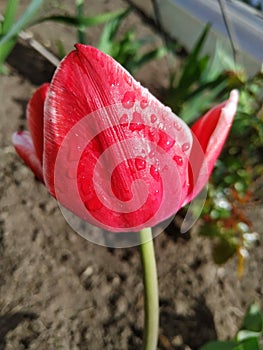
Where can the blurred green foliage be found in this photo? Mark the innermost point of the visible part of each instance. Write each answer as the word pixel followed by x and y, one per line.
pixel 248 337
pixel 201 83
pixel 127 49
pixel 10 27
pixel 123 46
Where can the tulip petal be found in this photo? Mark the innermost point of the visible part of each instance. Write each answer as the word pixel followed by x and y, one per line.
pixel 23 144
pixel 86 80
pixel 210 133
pixel 35 118
pixel 113 154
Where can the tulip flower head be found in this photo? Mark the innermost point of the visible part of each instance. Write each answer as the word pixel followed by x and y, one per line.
pixel 110 152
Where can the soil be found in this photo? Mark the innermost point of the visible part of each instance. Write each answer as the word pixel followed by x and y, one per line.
pixel 60 291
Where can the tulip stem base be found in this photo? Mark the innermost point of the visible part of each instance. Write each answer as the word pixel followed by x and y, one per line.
pixel 151 299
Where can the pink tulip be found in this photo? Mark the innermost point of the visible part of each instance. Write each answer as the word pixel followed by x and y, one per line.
pixel 110 152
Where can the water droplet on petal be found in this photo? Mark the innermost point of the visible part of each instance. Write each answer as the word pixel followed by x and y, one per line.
pixel 144 103
pixel 113 80
pixel 153 135
pixel 177 126
pixel 151 154
pixel 128 79
pixel 136 122
pixel 128 99
pixel 160 125
pixel 179 160
pixel 140 163
pixel 124 119
pixel 143 153
pixel 155 173
pixel 185 146
pixel 153 118
pixel 165 141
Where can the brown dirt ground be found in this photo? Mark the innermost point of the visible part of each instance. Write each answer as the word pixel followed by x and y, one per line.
pixel 59 291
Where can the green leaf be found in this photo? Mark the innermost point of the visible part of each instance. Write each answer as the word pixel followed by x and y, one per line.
pixel 22 22
pixel 80 28
pixel 11 30
pixel 82 21
pixel 5 50
pixel 109 32
pixel 151 55
pixel 9 16
pixel 61 49
pixel 219 345
pixel 250 344
pixel 253 320
pixel 193 66
pixel 244 335
pixel 200 100
pixel 222 251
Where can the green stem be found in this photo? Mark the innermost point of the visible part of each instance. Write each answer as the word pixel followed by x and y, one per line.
pixel 80 27
pixel 151 301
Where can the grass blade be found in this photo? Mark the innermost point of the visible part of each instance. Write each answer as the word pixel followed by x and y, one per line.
pixel 9 16
pixel 84 21
pixel 22 22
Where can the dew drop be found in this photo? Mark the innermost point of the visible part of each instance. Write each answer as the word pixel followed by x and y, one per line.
pixel 124 119
pixel 177 126
pixel 128 79
pixel 168 109
pixel 155 173
pixel 152 154
pixel 185 146
pixel 179 160
pixel 140 163
pixel 166 142
pixel 153 118
pixel 143 153
pixel 113 80
pixel 169 144
pixel 157 164
pixel 154 135
pixel 144 103
pixel 136 122
pixel 128 99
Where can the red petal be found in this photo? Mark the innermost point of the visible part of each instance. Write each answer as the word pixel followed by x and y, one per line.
pixel 85 81
pixel 114 154
pixel 35 118
pixel 210 133
pixel 23 144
